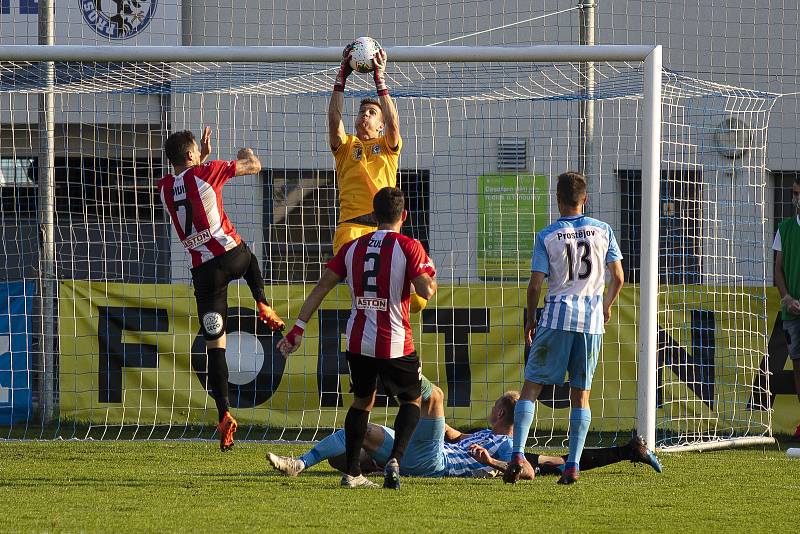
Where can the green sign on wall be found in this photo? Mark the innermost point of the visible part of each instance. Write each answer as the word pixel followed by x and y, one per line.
pixel 511 209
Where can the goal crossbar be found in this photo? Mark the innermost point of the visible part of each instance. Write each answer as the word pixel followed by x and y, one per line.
pixel 281 54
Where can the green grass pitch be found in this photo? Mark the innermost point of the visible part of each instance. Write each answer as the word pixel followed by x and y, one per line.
pixel 175 486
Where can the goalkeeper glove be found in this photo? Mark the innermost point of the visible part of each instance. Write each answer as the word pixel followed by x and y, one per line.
pixel 344 69
pixel 416 303
pixel 379 72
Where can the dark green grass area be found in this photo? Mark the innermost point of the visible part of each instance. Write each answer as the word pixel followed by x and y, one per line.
pixel 189 486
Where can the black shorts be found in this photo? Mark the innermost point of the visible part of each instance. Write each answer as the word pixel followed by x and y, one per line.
pixel 401 377
pixel 211 281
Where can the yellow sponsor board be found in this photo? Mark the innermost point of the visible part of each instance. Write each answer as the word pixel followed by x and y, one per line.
pixel 132 353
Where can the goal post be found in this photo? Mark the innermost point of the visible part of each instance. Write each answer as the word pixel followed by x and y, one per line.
pixel 629 83
pixel 651 180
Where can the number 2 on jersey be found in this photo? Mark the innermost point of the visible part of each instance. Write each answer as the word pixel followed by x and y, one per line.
pixel 370 279
pixel 184 210
pixel 584 252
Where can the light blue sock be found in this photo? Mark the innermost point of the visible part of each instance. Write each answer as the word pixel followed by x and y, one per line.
pixel 329 447
pixel 523 419
pixel 579 420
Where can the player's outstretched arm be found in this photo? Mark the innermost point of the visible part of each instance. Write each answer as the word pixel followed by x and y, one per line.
pixel 336 132
pixel 451 435
pixel 205 144
pixel 425 285
pixel 247 162
pixel 534 290
pixel 291 342
pixel 614 287
pixel 482 455
pixel 391 120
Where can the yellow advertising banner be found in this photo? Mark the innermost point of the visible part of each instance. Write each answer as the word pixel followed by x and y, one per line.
pixel 133 354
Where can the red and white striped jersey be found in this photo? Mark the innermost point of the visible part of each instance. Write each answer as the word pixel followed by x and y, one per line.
pixel 379 268
pixel 193 200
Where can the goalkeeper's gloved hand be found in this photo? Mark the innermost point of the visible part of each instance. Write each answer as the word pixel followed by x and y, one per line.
pixel 416 303
pixel 379 72
pixel 291 341
pixel 344 69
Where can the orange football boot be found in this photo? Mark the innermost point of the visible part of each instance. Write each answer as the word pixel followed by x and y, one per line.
pixel 226 428
pixel 268 316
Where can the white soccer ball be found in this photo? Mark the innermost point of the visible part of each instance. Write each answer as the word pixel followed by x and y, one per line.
pixel 361 54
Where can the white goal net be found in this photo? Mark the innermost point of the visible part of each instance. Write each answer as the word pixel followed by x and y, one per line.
pixel 482 146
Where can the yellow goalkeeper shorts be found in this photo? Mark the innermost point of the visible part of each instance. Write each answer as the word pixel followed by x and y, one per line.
pixel 346 232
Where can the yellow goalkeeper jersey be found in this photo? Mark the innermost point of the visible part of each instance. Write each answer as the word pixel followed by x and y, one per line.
pixel 362 169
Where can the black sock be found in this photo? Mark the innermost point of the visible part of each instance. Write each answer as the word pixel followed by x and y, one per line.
pixel 218 379
pixel 404 425
pixel 546 468
pixel 254 279
pixel 593 458
pixel 355 428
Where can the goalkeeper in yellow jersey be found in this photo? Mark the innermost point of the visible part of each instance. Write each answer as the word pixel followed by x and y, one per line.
pixel 367 161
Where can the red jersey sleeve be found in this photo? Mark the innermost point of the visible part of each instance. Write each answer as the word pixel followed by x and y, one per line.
pixel 216 172
pixel 417 260
pixel 160 184
pixel 337 263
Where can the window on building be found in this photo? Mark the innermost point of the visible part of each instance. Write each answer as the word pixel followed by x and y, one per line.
pixel 17 171
pixel 109 221
pixel 300 215
pixel 679 219
pixel 783 208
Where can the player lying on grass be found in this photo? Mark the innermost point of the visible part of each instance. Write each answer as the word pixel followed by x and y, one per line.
pixel 192 195
pixel 438 450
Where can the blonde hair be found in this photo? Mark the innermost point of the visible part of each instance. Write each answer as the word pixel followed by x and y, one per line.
pixel 508 401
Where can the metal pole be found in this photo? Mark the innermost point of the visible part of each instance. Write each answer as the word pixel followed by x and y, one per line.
pixel 648 289
pixel 186 22
pixel 48 306
pixel 586 117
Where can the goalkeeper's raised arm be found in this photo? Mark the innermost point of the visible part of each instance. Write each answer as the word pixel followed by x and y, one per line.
pixel 336 131
pixel 391 121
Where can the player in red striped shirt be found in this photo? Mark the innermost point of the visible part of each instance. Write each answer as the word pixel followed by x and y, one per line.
pixel 192 195
pixel 380 268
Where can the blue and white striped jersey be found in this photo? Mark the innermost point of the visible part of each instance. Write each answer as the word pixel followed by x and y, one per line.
pixel 573 253
pixel 459 463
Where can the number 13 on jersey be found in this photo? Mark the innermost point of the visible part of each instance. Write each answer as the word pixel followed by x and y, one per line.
pixel 582 252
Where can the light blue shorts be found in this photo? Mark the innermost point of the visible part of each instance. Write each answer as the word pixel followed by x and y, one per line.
pixel 424 456
pixel 556 352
